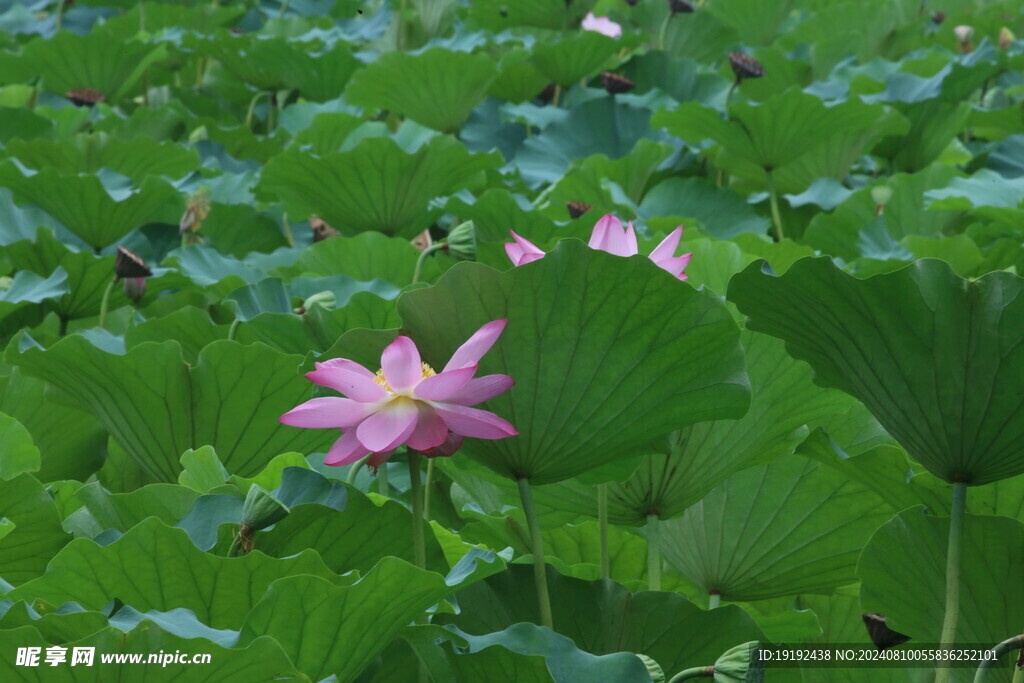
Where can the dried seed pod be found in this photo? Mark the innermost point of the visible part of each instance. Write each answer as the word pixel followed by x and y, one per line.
pixel 680 6
pixel 577 209
pixel 129 264
pixel 548 93
pixel 85 97
pixel 616 83
pixel 745 66
pixel 938 17
pixel 321 230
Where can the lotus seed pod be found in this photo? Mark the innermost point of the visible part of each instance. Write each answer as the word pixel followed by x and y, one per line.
pixel 881 194
pixel 680 7
pixel 462 242
pixel 85 97
pixel 261 509
pixel 653 668
pixel 615 83
pixel 577 209
pixel 745 66
pixel 1006 38
pixel 325 300
pixel 741 664
pixel 130 264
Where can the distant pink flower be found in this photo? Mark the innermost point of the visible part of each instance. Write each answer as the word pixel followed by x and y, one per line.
pixel 406 402
pixel 601 25
pixel 610 236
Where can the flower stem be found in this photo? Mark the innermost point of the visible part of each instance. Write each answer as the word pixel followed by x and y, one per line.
pixel 664 28
pixel 288 236
pixel 695 672
pixel 252 108
pixel 354 472
pixel 426 489
pixel 418 544
pixel 653 553
pixel 956 534
pixel 1008 645
pixel 714 600
pixel 418 270
pixel 283 10
pixel 540 575
pixel 773 197
pixel 233 329
pixel 554 100
pixel 382 480
pixel 602 523
pixel 105 303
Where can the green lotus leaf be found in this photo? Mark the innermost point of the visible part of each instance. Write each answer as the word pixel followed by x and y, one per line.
pixel 579 56
pixel 602 617
pixel 698 35
pixel 599 126
pixel 356 537
pixel 137 158
pixel 157 406
pixel 518 80
pixel 682 79
pixel 721 212
pixel 498 15
pixel 793 135
pixel 933 125
pixel 18 453
pixel 376 185
pixel 774 530
pixel 929 354
pixel 202 470
pixel 167 502
pixel 588 317
pixel 189 326
pixel 437 88
pixel 71 442
pixel 22 123
pixel 36 535
pixel 28 288
pixel 328 629
pixel 100 60
pixel 154 566
pixel 990 597
pixel 757 21
pixel 85 206
pixel 364 257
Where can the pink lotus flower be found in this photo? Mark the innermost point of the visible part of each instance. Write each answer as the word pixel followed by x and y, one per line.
pixel 406 402
pixel 602 25
pixel 609 236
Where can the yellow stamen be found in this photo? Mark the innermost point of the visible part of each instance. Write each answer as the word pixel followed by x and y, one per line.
pixel 425 370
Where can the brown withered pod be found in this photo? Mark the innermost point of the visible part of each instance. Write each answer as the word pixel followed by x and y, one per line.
pixel 85 97
pixel 745 66
pixel 577 209
pixel 615 83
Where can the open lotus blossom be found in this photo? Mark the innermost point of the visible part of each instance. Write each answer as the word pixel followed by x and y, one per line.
pixel 406 402
pixel 601 25
pixel 610 236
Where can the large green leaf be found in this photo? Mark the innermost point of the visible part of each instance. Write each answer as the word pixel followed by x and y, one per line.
pixel 693 461
pixel 101 60
pixel 579 56
pixel 794 135
pixel 37 535
pixel 602 617
pixel 154 566
pixel 157 406
pixel 932 356
pixel 375 185
pixel 903 576
pixel 328 629
pixel 781 529
pixel 607 353
pixel 17 452
pixel 437 88
pixel 85 206
pixel 497 15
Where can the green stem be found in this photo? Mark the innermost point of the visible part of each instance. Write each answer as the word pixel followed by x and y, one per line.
pixel 602 523
pixel 728 96
pixel 714 600
pixel 956 533
pixel 695 672
pixel 426 489
pixel 382 480
pixel 283 10
pixel 354 472
pixel 653 553
pixel 252 108
pixel 773 196
pixel 540 575
pixel 105 303
pixel 416 490
pixel 664 29
pixel 287 227
pixel 60 15
pixel 418 270
pixel 1008 645
pixel 233 329
pixel 554 100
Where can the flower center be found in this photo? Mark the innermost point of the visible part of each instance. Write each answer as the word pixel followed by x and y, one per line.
pixel 425 372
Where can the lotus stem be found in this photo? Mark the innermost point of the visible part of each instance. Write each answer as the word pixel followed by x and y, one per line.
pixel 354 472
pixel 653 553
pixel 426 489
pixel 602 523
pixel 283 10
pixel 382 480
pixel 695 672
pixel 554 99
pixel 233 329
pixel 663 30
pixel 418 270
pixel 953 551
pixel 714 600
pixel 773 197
pixel 287 227
pixel 252 107
pixel 60 16
pixel 416 491
pixel 540 575
pixel 1008 645
pixel 105 302
pixel 728 97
